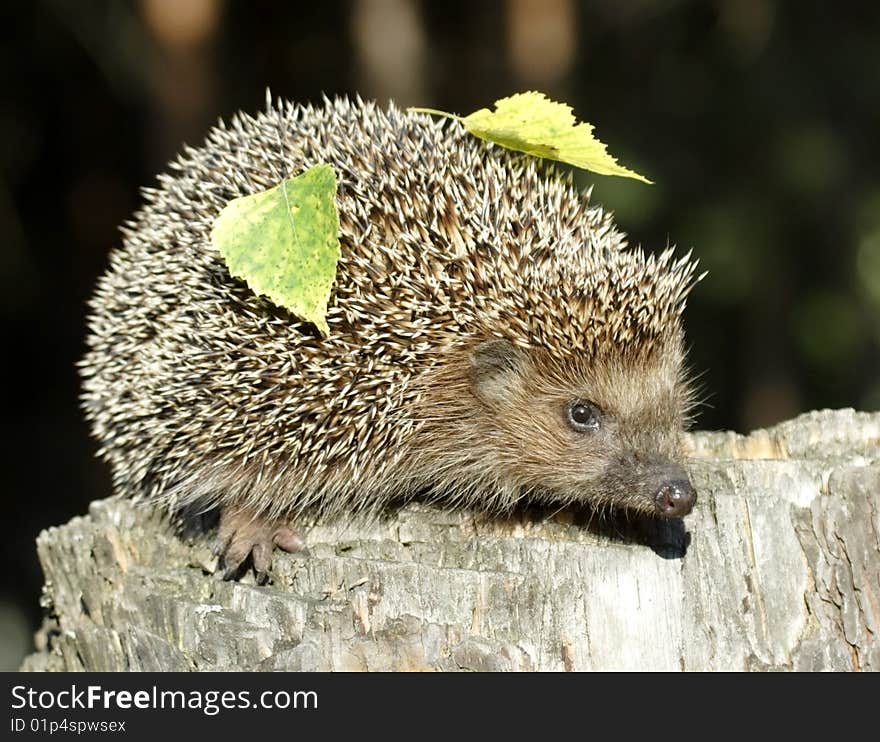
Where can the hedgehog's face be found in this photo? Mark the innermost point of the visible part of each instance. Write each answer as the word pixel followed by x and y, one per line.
pixel 602 432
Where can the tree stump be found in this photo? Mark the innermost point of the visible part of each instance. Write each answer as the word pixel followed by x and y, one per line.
pixel 777 568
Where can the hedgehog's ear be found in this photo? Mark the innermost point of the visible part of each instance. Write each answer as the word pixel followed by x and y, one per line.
pixel 495 366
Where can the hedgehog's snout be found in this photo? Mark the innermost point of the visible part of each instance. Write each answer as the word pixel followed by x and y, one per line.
pixel 675 497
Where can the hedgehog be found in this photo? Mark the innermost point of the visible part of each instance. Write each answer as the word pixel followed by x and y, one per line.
pixel 493 340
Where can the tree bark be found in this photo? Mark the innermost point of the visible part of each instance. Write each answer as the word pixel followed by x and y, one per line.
pixel 778 567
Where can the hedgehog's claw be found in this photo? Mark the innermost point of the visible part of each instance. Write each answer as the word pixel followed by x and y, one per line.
pixel 244 534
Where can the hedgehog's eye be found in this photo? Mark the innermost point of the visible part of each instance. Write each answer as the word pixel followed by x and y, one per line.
pixel 583 416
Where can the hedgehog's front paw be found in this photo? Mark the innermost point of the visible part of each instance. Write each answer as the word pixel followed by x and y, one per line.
pixel 243 533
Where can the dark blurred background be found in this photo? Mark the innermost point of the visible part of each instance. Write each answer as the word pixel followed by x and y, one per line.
pixel 758 120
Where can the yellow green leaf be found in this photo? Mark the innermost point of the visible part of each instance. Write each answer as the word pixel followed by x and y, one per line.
pixel 284 242
pixel 534 124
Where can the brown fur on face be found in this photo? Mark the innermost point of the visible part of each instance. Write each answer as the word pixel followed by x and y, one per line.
pixel 496 415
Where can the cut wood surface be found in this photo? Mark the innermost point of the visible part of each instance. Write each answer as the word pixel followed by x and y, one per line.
pixel 778 567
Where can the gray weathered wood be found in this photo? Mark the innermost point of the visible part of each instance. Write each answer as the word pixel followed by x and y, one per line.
pixel 777 568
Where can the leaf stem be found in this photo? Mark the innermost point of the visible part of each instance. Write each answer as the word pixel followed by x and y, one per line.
pixel 434 112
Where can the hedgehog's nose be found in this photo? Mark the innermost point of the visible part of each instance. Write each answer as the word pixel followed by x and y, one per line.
pixel 676 495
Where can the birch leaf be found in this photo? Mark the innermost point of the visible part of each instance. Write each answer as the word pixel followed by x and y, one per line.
pixel 284 242
pixel 534 124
